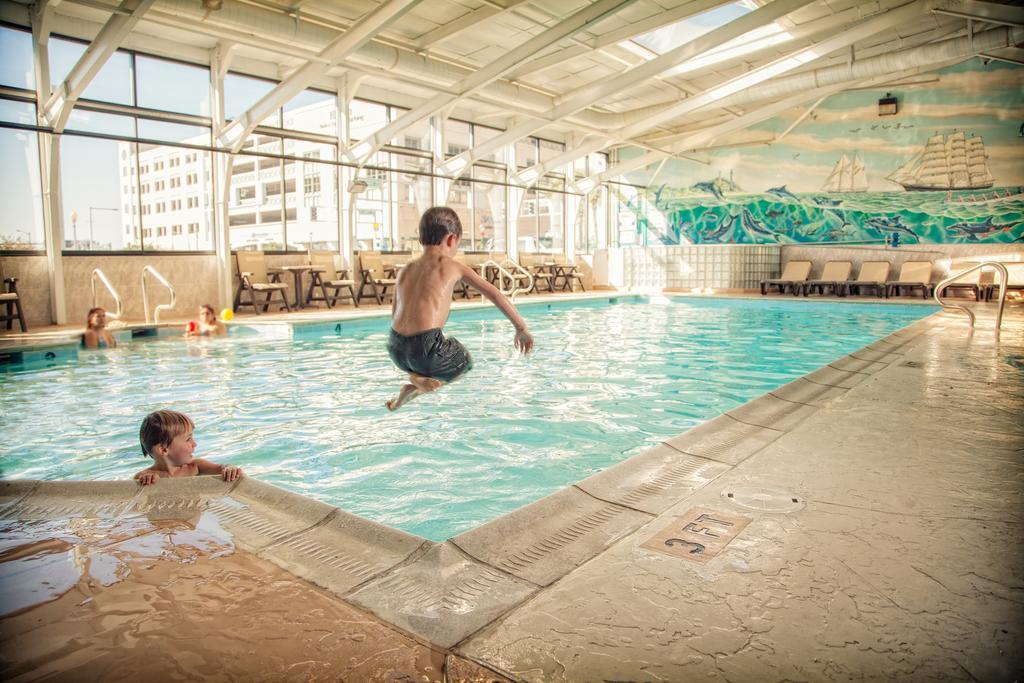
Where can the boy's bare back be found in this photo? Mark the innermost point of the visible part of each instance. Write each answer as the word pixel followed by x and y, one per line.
pixel 423 296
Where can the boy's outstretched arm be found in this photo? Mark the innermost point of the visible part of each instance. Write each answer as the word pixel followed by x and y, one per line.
pixel 227 472
pixel 524 340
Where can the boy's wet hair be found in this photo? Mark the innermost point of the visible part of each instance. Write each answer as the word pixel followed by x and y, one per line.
pixel 160 428
pixel 437 223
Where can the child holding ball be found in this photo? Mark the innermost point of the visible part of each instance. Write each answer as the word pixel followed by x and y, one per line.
pixel 208 325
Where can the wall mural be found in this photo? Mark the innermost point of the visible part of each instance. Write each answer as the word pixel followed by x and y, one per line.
pixel 947 168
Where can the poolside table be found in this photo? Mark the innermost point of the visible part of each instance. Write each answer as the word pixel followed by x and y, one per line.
pixel 297 272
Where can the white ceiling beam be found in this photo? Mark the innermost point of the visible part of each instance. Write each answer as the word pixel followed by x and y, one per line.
pixel 786 64
pixel 637 28
pixel 1010 55
pixel 62 100
pixel 233 135
pixel 989 12
pixel 467 20
pixel 366 148
pixel 593 92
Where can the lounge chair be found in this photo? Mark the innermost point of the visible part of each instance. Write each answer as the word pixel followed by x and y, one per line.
pixel 253 278
pixel 324 276
pixel 913 275
pixel 372 275
pixel 461 288
pixel 11 301
pixel 873 274
pixel 834 275
pixel 1014 281
pixel 793 275
pixel 970 282
pixel 543 277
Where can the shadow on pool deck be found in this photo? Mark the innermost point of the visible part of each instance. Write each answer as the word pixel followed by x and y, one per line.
pixel 882 501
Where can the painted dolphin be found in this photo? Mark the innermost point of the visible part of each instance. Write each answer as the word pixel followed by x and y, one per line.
pixel 657 195
pixel 754 225
pixel 781 191
pixel 718 233
pixel 979 229
pixel 709 186
pixel 890 224
pixel 827 201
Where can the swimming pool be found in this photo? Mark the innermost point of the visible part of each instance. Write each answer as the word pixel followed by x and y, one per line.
pixel 608 378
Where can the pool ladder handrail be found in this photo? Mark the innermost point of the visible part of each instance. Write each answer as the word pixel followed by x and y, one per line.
pixel 515 288
pixel 98 274
pixel 145 294
pixel 956 276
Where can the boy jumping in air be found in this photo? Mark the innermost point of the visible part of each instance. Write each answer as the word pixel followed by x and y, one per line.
pixel 423 298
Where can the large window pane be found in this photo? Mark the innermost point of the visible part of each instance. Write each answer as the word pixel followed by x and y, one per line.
pixel 489 210
pixel 548 151
pixel 21 222
pixel 176 198
pixel 459 196
pixel 16 69
pixel 311 197
pixel 526 152
pixel 456 137
pixel 255 208
pixel 527 223
pixel 626 214
pixel 18 112
pixel 171 86
pixel 365 119
pixel 113 83
pixel 241 92
pixel 550 221
pixel 94 183
pixel 312 111
pixel 173 132
pixel 373 208
pixel 413 196
pixel 482 134
pixel 98 122
pixel 416 136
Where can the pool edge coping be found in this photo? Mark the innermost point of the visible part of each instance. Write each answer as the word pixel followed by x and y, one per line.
pixel 443 592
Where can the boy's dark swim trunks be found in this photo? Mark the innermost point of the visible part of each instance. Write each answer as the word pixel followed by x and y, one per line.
pixel 429 354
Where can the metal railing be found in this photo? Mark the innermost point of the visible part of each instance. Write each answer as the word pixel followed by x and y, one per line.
pixel 98 274
pixel 145 294
pixel 513 279
pixel 956 276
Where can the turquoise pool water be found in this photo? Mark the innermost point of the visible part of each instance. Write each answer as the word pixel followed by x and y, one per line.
pixel 606 381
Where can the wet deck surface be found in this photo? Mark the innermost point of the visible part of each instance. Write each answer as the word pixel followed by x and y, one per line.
pixel 863 522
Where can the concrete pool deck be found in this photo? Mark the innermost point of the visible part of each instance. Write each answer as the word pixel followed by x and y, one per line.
pixel 881 497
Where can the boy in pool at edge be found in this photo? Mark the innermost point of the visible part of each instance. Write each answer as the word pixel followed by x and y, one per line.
pixel 166 436
pixel 423 298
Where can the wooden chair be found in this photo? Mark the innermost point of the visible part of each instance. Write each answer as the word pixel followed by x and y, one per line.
pixel 913 275
pixel 12 303
pixel 372 275
pixel 543 278
pixel 323 275
pixel 872 275
pixel 833 276
pixel 461 288
pixel 569 272
pixel 253 278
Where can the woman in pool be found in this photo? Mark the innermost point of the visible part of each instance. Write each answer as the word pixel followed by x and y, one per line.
pixel 96 335
pixel 208 324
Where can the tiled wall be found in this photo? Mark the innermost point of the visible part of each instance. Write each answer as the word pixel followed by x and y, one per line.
pixel 686 267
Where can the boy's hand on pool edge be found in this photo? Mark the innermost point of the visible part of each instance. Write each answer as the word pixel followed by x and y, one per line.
pixel 147 478
pixel 231 473
pixel 524 341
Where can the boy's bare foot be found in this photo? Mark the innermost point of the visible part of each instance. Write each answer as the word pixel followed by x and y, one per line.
pixel 406 393
pixel 425 384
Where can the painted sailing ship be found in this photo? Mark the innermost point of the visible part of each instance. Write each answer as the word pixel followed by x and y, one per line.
pixel 847 176
pixel 956 163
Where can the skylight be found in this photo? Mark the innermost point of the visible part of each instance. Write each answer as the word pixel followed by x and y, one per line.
pixel 672 36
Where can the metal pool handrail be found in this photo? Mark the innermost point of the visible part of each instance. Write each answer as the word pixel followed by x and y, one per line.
pixel 956 276
pixel 516 289
pixel 145 296
pixel 98 274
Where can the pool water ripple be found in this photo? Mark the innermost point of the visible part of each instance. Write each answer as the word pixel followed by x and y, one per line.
pixel 605 382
